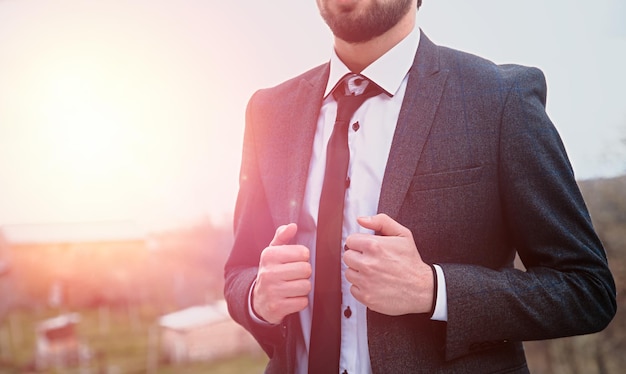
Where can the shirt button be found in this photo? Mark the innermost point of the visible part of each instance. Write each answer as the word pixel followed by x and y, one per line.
pixel 356 126
pixel 347 312
pixel 347 182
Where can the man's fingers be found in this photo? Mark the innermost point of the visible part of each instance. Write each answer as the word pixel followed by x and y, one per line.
pixel 274 312
pixel 352 258
pixel 296 288
pixel 284 254
pixel 280 251
pixel 383 224
pixel 284 234
pixel 295 271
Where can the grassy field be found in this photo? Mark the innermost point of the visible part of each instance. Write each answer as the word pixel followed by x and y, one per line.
pixel 120 340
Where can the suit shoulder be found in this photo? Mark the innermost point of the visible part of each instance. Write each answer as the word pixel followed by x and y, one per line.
pixel 267 104
pixel 474 67
pixel 289 86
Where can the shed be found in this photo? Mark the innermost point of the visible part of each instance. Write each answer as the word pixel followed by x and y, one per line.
pixel 57 344
pixel 203 333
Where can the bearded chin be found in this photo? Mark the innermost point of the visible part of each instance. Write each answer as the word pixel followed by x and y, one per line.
pixel 355 32
pixel 365 27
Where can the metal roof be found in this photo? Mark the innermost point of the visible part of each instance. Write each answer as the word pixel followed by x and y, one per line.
pixel 196 316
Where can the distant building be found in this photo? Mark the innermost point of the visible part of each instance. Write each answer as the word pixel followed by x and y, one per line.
pixel 66 263
pixel 79 232
pixel 203 333
pixel 57 345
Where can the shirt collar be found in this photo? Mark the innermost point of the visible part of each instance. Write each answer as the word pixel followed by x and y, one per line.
pixel 387 71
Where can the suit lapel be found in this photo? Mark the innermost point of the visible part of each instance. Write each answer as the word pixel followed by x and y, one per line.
pixel 285 173
pixel 423 93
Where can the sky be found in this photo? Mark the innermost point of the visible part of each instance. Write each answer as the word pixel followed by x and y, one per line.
pixel 134 110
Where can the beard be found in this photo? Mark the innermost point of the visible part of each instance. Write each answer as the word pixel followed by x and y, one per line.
pixel 357 27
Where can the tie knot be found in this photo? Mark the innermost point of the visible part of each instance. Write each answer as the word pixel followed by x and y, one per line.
pixel 351 92
pixel 355 85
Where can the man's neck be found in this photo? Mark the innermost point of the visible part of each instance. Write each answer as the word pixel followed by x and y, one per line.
pixel 358 56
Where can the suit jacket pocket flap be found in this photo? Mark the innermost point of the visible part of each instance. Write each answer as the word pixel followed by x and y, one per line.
pixel 446 179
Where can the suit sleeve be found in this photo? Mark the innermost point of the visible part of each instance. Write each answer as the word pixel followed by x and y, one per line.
pixel 253 231
pixel 567 288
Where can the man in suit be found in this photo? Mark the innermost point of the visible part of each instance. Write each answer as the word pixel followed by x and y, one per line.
pixel 454 167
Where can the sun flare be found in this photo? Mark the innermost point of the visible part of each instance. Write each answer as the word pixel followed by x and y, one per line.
pixel 105 118
pixel 85 130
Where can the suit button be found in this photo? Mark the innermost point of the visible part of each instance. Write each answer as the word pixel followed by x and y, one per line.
pixel 347 312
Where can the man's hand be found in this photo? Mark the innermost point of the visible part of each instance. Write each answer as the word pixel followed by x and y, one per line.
pixel 282 284
pixel 386 271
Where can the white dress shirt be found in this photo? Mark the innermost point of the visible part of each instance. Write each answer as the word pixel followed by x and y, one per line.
pixel 370 135
pixel 369 139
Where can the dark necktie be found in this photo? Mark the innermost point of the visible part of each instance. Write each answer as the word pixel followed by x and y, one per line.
pixel 326 325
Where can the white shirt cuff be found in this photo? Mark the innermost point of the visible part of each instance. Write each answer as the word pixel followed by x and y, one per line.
pixel 253 315
pixel 441 304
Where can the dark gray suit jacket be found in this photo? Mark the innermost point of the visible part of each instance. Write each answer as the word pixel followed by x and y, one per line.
pixel 478 172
